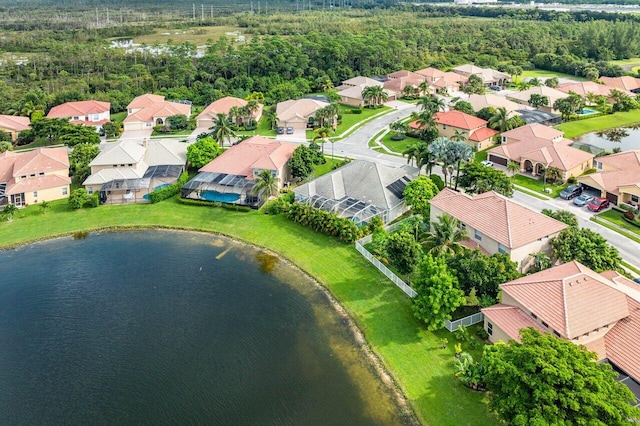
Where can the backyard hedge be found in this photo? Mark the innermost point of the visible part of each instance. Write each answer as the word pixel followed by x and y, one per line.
pixel 168 191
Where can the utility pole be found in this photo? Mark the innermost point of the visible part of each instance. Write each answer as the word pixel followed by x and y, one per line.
pixel 194 11
pixel 202 11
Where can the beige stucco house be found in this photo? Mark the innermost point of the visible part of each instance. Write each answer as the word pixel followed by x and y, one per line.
pixel 475 131
pixel 13 125
pixel 536 147
pixel 498 225
pixel 298 114
pixel 147 111
pixel 223 106
pixel 489 76
pixel 34 176
pixel 617 177
pixel 551 94
pixel 351 91
pixel 572 302
pixel 88 113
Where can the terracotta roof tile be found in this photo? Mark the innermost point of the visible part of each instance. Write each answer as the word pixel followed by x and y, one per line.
pixel 459 120
pixel 145 100
pixel 582 88
pixel 162 109
pixel 623 343
pixel 14 122
pixel 41 160
pixel 221 106
pixel 483 133
pixel 37 183
pixel 510 319
pixel 80 108
pixel 625 82
pixel 497 217
pixel 624 171
pixel 533 131
pixel 431 72
pixel 298 110
pixel 489 100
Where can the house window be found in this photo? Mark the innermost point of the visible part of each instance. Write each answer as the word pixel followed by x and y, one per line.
pixel 501 249
pixel 148 124
pixel 534 315
pixel 478 235
pixel 444 127
pixel 490 329
pixel 504 139
pixel 35 194
pixel 598 165
pixel 634 198
pixel 95 117
pixel 130 165
pixel 23 177
pixel 64 191
pixel 76 118
pixel 556 333
pixel 545 324
pixel 90 190
pixel 41 174
pixel 462 225
pixel 32 175
pixel 121 165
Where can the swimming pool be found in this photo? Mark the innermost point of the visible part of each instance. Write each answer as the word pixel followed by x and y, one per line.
pixel 164 185
pixel 218 196
pixel 587 111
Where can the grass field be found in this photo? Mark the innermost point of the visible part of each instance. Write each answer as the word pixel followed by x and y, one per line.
pixel 119 116
pixel 537 186
pixel 350 120
pixel 623 62
pixel 196 35
pixel 545 74
pixel 398 146
pixel 573 129
pixel 616 218
pixel 412 354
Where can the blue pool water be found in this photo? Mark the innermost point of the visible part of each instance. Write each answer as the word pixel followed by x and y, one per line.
pixel 587 111
pixel 218 196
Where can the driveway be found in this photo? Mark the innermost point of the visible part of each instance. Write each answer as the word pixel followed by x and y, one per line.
pixel 136 134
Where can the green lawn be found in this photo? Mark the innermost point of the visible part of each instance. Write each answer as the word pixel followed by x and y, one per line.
pixel 185 132
pixel 411 353
pixel 349 120
pixel 119 116
pixel 545 74
pixel 325 168
pixel 264 129
pixel 622 62
pixel 398 146
pixel 616 218
pixel 574 129
pixel 536 185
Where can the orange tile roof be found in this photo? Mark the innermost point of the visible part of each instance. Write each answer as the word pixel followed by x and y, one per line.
pixel 497 217
pixel 14 122
pixel 582 88
pixel 221 106
pixel 510 319
pixel 533 131
pixel 571 298
pixel 483 133
pixel 459 120
pixel 145 100
pixel 597 346
pixel 7 160
pixel 399 83
pixel 623 343
pixel 625 82
pixel 164 109
pixel 41 160
pixel 625 171
pixel 256 152
pixel 407 74
pixel 71 109
pixel 431 72
pixel 37 183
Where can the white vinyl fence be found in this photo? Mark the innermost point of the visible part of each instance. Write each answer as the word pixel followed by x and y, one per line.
pixel 466 321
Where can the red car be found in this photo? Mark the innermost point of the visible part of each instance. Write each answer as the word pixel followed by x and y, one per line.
pixel 598 204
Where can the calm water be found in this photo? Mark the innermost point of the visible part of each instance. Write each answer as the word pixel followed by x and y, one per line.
pixel 627 143
pixel 157 327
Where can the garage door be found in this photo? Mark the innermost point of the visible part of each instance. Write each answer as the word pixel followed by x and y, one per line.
pixel 498 160
pixel 613 198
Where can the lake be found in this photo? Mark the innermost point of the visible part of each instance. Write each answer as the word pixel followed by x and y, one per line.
pixel 160 327
pixel 626 143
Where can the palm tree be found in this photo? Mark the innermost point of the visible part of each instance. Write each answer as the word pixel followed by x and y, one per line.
pixel 513 168
pixel 458 136
pixel 424 87
pixel 234 114
pixel 446 236
pixel 323 133
pixel 252 106
pixel 431 103
pixel 500 120
pixel 441 152
pixel 272 117
pixel 460 152
pixel 374 95
pixel 266 183
pixel 412 152
pixel 222 130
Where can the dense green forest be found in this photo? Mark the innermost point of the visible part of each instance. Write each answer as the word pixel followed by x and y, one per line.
pixel 288 55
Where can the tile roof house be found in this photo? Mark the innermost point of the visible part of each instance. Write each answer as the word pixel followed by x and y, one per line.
pixel 477 135
pixel 551 94
pixel 431 75
pixel 489 76
pixel 147 111
pixel 222 106
pixel 128 170
pixel 626 82
pixel 397 81
pixel 617 177
pixel 13 125
pixel 490 100
pixel 498 224
pixel 351 90
pixel 34 176
pixel 583 88
pixel 572 302
pixel 298 114
pixel 536 147
pixel 88 113
pixel 360 190
pixel 230 177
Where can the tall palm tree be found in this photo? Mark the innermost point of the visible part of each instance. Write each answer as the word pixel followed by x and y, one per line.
pixel 460 152
pixel 234 114
pixel 266 183
pixel 222 130
pixel 446 236
pixel 424 87
pixel 513 168
pixel 441 151
pixel 374 95
pixel 431 103
pixel 252 106
pixel 500 120
pixel 412 152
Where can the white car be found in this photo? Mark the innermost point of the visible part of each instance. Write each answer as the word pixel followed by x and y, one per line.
pixel 487 163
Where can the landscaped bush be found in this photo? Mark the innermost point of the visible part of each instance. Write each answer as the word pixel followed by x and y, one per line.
pixel 438 181
pixel 340 164
pixel 572 180
pixel 251 125
pixel 324 222
pixel 192 202
pixel 280 205
pixel 356 111
pixel 168 191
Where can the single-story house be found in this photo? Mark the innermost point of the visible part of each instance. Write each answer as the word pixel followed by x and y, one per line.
pixel 299 114
pixel 477 135
pixel 127 171
pixel 230 178
pixel 88 113
pixel 34 176
pixel 536 147
pixel 617 177
pixel 449 83
pixel 359 191
pixel 479 102
pixel 351 93
pixel 572 302
pixel 13 124
pixel 490 77
pixel 626 83
pixel 147 111
pixel 499 225
pixel 550 93
pixel 583 88
pixel 222 106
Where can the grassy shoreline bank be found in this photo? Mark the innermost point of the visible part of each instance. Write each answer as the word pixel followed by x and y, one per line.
pixel 382 312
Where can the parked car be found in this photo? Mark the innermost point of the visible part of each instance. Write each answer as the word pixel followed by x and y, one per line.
pixel 280 130
pixel 583 200
pixel 496 88
pixel 487 163
pixel 289 130
pixel 571 191
pixel 636 280
pixel 598 204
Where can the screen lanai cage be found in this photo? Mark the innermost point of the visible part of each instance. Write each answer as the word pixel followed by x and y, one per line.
pixel 124 191
pixel 358 211
pixel 222 187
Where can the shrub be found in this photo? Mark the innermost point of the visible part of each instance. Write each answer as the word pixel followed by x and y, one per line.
pixel 482 334
pixel 168 191
pixel 438 181
pixel 356 111
pixel 78 198
pixel 251 125
pixel 629 214
pixel 324 222
pixel 280 205
pixel 572 180
pixel 340 164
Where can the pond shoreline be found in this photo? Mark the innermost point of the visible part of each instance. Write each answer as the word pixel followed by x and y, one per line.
pixel 405 411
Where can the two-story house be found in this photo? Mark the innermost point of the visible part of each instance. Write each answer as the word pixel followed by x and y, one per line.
pixel 498 225
pixel 88 113
pixel 13 125
pixel 147 111
pixel 572 302
pixel 34 176
pixel 455 123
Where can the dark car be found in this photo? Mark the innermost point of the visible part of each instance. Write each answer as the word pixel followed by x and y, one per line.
pixel 280 130
pixel 571 192
pixel 598 204
pixel 496 88
pixel 289 130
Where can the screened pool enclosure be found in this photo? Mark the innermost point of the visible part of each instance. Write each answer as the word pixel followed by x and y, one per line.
pixel 124 191
pixel 222 187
